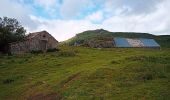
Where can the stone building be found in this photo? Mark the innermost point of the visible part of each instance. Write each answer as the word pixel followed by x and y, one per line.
pixel 34 42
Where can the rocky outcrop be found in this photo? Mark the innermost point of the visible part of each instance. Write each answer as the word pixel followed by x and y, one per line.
pixel 99 43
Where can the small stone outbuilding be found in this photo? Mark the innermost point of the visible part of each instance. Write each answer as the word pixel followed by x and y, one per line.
pixel 38 41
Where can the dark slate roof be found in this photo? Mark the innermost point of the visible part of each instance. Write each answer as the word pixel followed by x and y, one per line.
pixel 139 42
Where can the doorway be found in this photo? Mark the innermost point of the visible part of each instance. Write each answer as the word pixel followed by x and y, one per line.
pixel 43 45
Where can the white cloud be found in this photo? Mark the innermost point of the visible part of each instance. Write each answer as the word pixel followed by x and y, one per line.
pixel 155 21
pixel 19 11
pixel 95 17
pixel 46 3
pixel 64 29
pixel 130 7
pixel 50 7
pixel 71 8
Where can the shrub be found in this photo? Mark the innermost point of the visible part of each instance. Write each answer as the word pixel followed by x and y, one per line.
pixel 114 62
pixel 148 76
pixel 53 50
pixel 8 81
pixel 36 51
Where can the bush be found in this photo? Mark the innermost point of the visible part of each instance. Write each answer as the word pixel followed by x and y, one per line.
pixel 148 76
pixel 8 81
pixel 53 50
pixel 36 51
pixel 114 62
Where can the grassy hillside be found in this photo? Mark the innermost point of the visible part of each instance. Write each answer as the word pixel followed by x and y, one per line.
pixel 163 40
pixel 87 74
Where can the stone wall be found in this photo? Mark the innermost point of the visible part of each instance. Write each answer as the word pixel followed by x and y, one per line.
pixel 99 44
pixel 19 47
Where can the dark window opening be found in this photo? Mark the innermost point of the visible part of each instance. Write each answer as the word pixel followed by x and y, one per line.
pixel 44 36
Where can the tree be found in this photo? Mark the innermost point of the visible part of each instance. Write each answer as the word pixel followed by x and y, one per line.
pixel 10 31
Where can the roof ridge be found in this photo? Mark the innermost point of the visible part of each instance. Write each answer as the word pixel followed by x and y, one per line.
pixel 32 35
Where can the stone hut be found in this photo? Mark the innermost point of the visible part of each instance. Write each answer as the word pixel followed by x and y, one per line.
pixel 38 41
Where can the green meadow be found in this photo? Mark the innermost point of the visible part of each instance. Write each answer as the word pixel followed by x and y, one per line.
pixel 79 73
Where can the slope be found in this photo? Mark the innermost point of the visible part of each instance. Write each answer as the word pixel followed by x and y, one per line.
pixel 87 74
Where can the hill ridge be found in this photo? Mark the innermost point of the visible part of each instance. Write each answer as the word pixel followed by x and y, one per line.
pixel 102 34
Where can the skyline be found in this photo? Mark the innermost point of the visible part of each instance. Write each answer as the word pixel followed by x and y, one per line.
pixel 65 18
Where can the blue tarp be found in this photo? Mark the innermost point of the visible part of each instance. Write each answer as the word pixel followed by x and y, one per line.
pixel 123 42
pixel 149 43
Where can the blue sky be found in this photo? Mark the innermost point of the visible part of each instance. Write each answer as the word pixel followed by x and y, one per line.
pixel 65 18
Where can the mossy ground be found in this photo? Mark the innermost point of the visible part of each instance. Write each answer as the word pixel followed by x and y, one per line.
pixel 87 74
